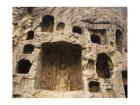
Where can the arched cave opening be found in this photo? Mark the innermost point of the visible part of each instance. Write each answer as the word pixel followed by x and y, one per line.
pixel 119 39
pixel 47 23
pixel 60 26
pixel 94 86
pixel 60 67
pixel 28 49
pixel 23 66
pixel 77 29
pixel 30 35
pixel 104 66
pixel 95 39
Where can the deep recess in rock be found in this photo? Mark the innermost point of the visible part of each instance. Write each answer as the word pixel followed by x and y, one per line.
pixel 125 89
pixel 94 86
pixel 95 39
pixel 30 35
pixel 28 49
pixel 124 79
pixel 104 66
pixel 77 29
pixel 60 64
pixel 23 66
pixel 47 23
pixel 98 36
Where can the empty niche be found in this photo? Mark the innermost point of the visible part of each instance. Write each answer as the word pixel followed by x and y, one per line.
pixel 47 23
pixel 94 86
pixel 59 67
pixel 60 26
pixel 30 35
pixel 28 49
pixel 77 29
pixel 95 39
pixel 23 66
pixel 104 66
pixel 119 39
pixel 124 79
pixel 98 36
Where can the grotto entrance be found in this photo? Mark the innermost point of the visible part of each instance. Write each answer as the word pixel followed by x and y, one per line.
pixel 47 23
pixel 104 66
pixel 60 67
pixel 95 39
pixel 23 66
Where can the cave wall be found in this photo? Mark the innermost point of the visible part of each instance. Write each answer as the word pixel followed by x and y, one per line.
pixel 81 80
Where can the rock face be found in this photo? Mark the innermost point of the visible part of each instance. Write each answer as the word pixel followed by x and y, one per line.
pixel 70 52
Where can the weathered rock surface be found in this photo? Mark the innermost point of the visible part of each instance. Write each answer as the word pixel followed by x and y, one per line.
pixel 69 52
